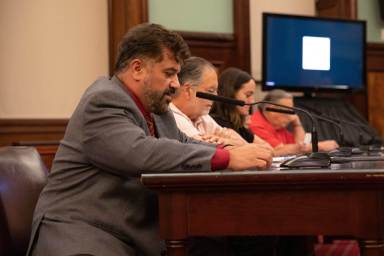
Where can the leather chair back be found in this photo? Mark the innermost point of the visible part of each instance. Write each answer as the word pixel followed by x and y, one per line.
pixel 22 177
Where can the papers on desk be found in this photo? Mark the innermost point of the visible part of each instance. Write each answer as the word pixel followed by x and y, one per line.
pixel 277 160
pixel 280 159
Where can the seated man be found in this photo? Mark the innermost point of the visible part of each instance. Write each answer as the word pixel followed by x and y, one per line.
pixel 192 113
pixel 94 202
pixel 272 127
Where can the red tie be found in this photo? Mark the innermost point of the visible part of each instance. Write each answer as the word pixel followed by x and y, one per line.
pixel 151 126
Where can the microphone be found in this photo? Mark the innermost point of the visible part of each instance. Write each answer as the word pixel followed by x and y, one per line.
pixel 279 110
pixel 315 159
pixel 213 97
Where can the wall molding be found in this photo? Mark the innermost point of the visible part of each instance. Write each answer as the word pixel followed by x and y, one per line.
pixel 13 131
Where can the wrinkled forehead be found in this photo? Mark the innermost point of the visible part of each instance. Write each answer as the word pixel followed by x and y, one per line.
pixel 208 78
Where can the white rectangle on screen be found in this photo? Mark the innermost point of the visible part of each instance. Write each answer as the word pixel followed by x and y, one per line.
pixel 316 53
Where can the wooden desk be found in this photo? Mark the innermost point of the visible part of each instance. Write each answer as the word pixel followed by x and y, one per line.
pixel 328 202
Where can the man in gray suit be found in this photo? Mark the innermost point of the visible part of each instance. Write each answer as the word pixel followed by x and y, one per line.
pixel 94 203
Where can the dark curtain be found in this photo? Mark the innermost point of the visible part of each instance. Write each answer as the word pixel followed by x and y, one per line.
pixel 355 134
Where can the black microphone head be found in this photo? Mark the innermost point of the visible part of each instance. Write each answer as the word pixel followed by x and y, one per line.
pixel 213 97
pixel 279 110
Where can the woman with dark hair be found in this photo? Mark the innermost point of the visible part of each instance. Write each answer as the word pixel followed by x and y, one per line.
pixel 237 84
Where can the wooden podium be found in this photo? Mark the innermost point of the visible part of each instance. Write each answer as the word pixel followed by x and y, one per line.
pixel 347 201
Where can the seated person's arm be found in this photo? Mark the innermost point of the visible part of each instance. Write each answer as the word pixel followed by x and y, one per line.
pixel 249 156
pixel 258 140
pixel 290 149
pixel 223 136
pixel 325 145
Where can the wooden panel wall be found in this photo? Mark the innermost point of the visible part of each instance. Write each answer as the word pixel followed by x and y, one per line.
pixel 44 134
pixel 337 8
pixel 24 130
pixel 223 50
pixel 375 102
pixel 122 15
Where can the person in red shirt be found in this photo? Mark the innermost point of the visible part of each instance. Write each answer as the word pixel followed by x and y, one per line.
pixel 272 127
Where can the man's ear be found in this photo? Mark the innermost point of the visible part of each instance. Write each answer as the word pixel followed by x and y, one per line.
pixel 137 67
pixel 188 90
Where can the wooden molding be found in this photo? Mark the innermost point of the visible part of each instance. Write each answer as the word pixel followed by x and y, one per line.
pixel 122 15
pixel 206 37
pixel 375 57
pixel 43 134
pixel 375 103
pixel 13 131
pixel 242 34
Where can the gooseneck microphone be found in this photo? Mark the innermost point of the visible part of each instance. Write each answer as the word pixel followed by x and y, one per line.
pixel 279 110
pixel 213 97
pixel 315 154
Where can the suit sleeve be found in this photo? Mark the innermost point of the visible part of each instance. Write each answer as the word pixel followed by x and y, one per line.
pixel 114 140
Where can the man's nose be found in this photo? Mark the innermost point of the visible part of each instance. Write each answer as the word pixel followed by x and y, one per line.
pixel 175 83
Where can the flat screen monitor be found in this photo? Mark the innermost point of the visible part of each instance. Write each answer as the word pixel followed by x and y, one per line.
pixel 302 53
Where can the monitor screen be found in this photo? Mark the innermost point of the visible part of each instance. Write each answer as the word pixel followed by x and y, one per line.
pixel 302 53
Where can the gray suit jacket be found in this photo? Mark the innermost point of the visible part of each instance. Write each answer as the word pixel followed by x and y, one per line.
pixel 94 202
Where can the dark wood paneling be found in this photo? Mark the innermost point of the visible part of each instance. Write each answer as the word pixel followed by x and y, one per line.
pixel 122 15
pixel 218 48
pixel 337 8
pixel 375 103
pixel 223 50
pixel 16 130
pixel 43 134
pixel 242 34
pixel 375 86
pixel 375 57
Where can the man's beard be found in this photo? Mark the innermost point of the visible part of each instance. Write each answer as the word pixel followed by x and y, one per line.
pixel 156 102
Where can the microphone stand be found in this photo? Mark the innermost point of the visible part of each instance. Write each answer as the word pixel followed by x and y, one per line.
pixel 343 150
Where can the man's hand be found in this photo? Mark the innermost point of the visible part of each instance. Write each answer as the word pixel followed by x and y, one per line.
pixel 249 156
pixel 214 139
pixel 295 120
